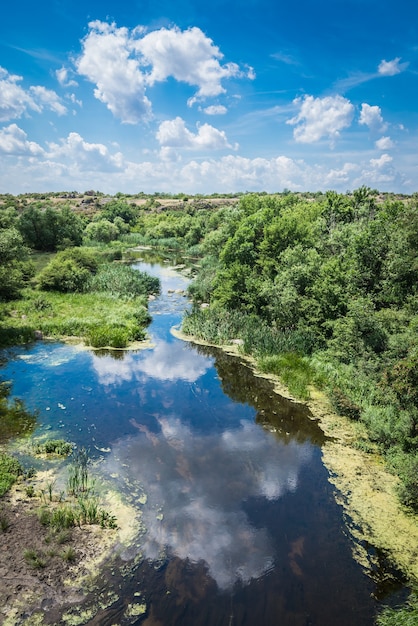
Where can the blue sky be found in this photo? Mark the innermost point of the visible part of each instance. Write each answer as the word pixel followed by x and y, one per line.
pixel 199 97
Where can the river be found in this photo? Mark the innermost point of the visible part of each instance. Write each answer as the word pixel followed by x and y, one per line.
pixel 238 522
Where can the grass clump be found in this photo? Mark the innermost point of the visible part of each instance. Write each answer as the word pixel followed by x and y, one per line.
pixel 4 522
pixel 34 558
pixel 69 555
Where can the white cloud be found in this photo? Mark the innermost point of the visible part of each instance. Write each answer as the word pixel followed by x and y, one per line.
pixel 109 61
pixel 371 116
pixel 81 155
pixel 63 77
pixel 390 68
pixel 215 109
pixel 202 514
pixel 123 64
pixel 13 141
pixel 48 98
pixel 15 101
pixel 377 172
pixel 174 134
pixel 321 117
pixel 188 56
pixel 384 143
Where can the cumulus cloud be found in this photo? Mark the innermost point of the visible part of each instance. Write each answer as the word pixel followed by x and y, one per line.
pixel 108 60
pixel 174 134
pixel 188 56
pixel 321 117
pixel 15 101
pixel 215 109
pixel 165 362
pixel 377 172
pixel 84 155
pixel 13 141
pixel 371 116
pixel 390 68
pixel 384 143
pixel 123 63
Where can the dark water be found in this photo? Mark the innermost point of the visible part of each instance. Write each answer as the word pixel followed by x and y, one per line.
pixel 240 524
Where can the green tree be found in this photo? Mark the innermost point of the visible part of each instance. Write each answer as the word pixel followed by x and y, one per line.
pixel 15 268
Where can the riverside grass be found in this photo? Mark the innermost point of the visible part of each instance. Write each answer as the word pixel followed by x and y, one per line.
pixel 99 318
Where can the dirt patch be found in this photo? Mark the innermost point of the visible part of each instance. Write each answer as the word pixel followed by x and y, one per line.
pixel 42 572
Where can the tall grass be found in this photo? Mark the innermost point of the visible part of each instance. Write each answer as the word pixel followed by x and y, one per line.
pixel 293 370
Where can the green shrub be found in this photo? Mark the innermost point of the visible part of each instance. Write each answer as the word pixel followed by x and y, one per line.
pixel 343 404
pixel 10 470
pixel 70 270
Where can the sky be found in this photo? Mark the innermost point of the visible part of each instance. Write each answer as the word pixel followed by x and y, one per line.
pixel 208 97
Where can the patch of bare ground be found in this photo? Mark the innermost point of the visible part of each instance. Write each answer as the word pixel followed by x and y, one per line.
pixel 42 571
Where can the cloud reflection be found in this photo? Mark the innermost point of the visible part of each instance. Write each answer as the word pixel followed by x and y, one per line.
pixel 196 486
pixel 168 361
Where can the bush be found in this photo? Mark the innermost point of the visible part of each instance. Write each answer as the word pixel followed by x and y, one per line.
pixel 10 470
pixel 69 271
pixel 54 446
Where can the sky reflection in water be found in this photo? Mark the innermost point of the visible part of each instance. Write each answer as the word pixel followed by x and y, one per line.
pixel 195 487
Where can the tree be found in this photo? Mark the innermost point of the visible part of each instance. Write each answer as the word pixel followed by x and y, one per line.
pixel 50 229
pixel 14 266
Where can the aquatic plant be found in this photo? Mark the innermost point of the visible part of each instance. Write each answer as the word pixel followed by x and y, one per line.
pixel 78 473
pixel 60 447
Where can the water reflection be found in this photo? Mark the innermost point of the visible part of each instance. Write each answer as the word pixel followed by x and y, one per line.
pixel 195 487
pixel 167 361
